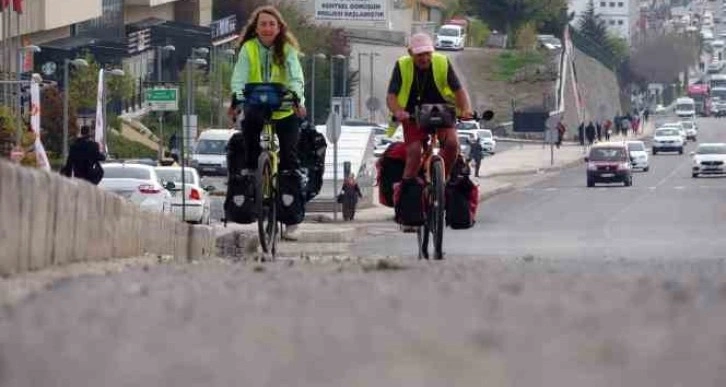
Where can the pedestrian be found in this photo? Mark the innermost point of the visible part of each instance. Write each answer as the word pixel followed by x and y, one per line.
pixel 348 197
pixel 476 153
pixel 608 127
pixel 646 114
pixel 625 124
pixel 581 133
pixel 561 129
pixel 84 159
pixel 590 133
pixel 598 129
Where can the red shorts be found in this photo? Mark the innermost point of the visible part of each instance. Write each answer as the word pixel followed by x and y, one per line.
pixel 412 132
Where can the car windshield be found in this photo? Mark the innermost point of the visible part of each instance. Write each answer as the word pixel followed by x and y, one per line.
pixel 175 175
pixel 687 125
pixel 711 150
pixel 636 146
pixel 684 106
pixel 126 173
pixel 464 140
pixel 485 134
pixel 666 132
pixel 607 154
pixel 211 147
pixel 449 32
pixel 466 125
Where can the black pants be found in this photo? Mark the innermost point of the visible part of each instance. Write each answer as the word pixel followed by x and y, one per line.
pixel 288 132
pixel 477 165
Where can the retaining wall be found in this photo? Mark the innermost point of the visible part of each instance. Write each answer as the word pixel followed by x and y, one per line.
pixel 47 219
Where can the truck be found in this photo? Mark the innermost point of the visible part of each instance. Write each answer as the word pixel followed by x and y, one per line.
pixel 716 80
pixel 701 95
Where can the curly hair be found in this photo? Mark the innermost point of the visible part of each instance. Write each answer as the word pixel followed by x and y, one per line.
pixel 284 37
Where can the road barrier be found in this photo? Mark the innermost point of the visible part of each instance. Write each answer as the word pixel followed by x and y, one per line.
pixel 47 219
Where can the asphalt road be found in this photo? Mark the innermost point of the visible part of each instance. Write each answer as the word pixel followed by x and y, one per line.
pixel 666 215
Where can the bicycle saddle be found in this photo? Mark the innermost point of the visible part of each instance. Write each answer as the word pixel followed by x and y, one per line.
pixel 431 117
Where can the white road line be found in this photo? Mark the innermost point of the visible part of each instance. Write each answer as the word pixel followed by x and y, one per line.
pixel 679 187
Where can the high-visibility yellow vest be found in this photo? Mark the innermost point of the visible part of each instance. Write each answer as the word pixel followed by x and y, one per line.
pixel 278 74
pixel 440 66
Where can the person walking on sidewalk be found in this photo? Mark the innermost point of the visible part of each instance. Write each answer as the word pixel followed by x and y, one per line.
pixel 476 153
pixel 348 197
pixel 598 129
pixel 561 129
pixel 581 133
pixel 84 159
pixel 608 127
pixel 590 132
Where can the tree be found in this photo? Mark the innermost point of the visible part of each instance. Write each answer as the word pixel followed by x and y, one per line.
pixel 593 27
pixel 510 15
pixel 84 83
pixel 662 58
pixel 51 120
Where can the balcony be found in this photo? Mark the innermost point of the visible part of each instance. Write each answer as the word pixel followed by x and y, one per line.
pixel 43 15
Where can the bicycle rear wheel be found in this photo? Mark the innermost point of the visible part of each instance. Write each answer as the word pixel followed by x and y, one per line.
pixel 266 202
pixel 436 212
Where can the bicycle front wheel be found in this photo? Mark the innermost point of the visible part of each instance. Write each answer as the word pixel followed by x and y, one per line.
pixel 266 202
pixel 436 214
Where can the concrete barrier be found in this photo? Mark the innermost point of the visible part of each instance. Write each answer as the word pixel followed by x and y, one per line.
pixel 47 219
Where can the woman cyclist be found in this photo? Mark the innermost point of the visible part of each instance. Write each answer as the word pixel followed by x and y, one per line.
pixel 268 52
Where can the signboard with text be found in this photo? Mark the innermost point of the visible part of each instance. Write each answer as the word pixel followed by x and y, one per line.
pixel 351 10
pixel 163 99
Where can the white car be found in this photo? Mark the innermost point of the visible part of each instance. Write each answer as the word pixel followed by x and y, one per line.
pixel 137 183
pixel 638 155
pixel 667 140
pixel 709 158
pixel 487 141
pixel 467 125
pixel 680 127
pixel 691 130
pixel 197 206
pixel 660 109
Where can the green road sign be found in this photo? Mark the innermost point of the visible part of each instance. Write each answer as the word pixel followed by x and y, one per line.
pixel 163 99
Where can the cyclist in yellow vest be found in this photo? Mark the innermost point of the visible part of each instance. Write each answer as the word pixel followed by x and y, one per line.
pixel 425 77
pixel 269 52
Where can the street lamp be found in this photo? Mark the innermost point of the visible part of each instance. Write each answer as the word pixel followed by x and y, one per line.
pixel 19 89
pixel 332 73
pixel 191 62
pixel 372 56
pixel 160 78
pixel 312 85
pixel 67 63
pixel 216 86
pixel 113 73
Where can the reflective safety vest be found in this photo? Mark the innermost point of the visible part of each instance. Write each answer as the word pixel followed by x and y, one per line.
pixel 277 73
pixel 440 66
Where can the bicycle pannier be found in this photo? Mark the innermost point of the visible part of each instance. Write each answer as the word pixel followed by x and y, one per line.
pixel 462 200
pixel 239 205
pixel 389 169
pixel 290 198
pixel 311 151
pixel 409 202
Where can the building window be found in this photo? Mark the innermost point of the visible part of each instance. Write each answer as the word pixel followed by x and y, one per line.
pixel 109 26
pixel 612 22
pixel 620 4
pixel 602 3
pixel 612 3
pixel 620 22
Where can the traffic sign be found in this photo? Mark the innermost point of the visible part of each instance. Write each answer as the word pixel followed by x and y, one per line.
pixel 373 104
pixel 333 127
pixel 163 99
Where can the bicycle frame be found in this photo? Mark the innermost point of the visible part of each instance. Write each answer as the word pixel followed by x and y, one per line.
pixel 269 145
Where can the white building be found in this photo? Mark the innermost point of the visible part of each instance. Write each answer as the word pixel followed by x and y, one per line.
pixel 620 16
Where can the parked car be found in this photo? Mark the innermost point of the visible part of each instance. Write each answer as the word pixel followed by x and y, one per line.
pixel 638 155
pixel 709 158
pixel 197 204
pixel 137 183
pixel 609 162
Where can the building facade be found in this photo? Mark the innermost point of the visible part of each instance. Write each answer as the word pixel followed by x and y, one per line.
pixel 621 17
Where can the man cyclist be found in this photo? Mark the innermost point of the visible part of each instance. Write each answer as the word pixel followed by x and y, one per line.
pixel 425 77
pixel 269 53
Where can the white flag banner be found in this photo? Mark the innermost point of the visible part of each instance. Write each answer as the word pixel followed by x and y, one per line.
pixel 40 154
pixel 100 118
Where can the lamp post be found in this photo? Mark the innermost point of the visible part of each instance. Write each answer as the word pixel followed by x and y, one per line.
pixel 312 85
pixel 113 73
pixel 227 56
pixel 371 56
pixel 19 90
pixel 67 63
pixel 335 143
pixel 160 78
pixel 190 109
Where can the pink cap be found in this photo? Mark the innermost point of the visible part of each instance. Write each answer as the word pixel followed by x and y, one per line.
pixel 421 42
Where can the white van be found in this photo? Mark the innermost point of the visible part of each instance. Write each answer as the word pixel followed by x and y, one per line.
pixel 210 154
pixel 686 107
pixel 450 36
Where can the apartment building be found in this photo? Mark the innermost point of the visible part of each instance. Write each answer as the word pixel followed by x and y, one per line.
pixel 622 17
pixel 120 32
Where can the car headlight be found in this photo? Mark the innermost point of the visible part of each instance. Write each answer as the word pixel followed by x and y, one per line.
pixel 591 167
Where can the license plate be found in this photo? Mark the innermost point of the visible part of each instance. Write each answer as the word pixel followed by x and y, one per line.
pixel 711 168
pixel 607 175
pixel 210 169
